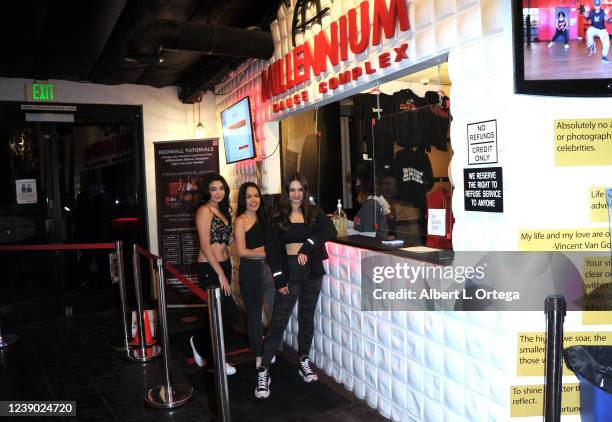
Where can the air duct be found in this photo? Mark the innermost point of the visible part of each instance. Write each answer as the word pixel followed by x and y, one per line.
pixel 150 40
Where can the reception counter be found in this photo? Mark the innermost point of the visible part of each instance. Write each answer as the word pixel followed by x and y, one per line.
pixel 410 365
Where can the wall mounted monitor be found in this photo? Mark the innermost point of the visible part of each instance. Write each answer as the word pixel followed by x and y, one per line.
pixel 238 132
pixel 559 47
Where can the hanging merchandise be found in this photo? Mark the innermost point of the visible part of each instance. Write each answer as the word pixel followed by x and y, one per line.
pixel 366 110
pixel 408 130
pixel 435 119
pixel 414 174
pixel 442 199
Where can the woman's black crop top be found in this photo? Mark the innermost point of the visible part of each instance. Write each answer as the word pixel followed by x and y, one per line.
pixel 219 231
pixel 255 236
pixel 295 233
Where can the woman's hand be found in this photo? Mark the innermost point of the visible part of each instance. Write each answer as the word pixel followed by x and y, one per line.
pixel 284 290
pixel 225 287
pixel 261 251
pixel 302 259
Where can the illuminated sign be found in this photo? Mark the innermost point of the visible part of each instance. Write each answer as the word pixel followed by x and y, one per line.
pixel 41 92
pixel 353 32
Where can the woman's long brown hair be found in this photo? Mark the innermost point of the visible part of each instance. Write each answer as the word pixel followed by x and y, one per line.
pixel 283 211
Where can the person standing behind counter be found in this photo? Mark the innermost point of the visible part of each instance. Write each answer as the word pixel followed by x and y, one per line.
pixel 255 278
pixel 295 249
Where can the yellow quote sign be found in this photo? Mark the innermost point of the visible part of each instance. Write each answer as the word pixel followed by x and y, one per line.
pixel 597 273
pixel 598 208
pixel 597 276
pixel 528 400
pixel 583 142
pixel 532 349
pixel 596 318
pixel 588 239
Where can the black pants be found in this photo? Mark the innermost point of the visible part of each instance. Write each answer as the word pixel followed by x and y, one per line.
pixel 256 284
pixel 229 311
pixel 304 289
pixel 561 33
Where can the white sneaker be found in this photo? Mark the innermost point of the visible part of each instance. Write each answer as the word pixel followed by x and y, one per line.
pixel 262 391
pixel 566 46
pixel 305 371
pixel 229 369
pixel 550 44
pixel 199 360
pixel 273 359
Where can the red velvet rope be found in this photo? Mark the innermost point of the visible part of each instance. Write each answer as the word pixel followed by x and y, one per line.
pixel 57 247
pixel 172 270
pixel 146 253
pixel 194 289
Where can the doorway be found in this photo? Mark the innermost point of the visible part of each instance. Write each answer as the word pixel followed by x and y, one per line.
pixel 78 181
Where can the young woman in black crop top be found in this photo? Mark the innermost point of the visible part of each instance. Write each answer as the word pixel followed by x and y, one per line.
pixel 214 225
pixel 295 250
pixel 255 277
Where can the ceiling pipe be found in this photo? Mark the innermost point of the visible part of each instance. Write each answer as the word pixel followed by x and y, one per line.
pixel 150 40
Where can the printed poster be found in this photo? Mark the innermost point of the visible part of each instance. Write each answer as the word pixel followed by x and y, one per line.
pixel 179 168
pixel 26 191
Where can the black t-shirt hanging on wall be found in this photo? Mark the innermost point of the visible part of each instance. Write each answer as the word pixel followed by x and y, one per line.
pixel 414 175
pixel 406 122
pixel 435 120
pixel 364 105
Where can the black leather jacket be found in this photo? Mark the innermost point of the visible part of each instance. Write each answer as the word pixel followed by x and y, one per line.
pixel 314 247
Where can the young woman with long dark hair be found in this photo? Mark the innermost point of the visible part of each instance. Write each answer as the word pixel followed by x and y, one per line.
pixel 254 276
pixel 295 250
pixel 214 225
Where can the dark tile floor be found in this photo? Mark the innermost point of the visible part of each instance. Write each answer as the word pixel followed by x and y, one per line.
pixel 72 360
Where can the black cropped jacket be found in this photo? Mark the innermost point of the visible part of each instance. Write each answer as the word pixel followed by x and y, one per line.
pixel 314 247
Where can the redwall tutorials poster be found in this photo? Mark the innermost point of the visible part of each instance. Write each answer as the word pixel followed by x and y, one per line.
pixel 179 169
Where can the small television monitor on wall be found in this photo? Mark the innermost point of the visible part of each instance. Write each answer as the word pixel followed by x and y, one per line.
pixel 238 132
pixel 561 47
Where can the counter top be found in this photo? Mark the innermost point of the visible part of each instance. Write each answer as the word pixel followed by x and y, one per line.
pixel 434 256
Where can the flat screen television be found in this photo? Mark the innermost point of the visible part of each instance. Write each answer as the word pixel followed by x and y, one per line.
pixel 238 132
pixel 553 52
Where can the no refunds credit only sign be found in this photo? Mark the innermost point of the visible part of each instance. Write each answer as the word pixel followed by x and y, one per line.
pixel 482 142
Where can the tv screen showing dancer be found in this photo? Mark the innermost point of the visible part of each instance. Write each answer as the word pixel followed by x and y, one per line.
pixel 567 39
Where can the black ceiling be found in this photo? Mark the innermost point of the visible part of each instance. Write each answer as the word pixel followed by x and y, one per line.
pixel 86 40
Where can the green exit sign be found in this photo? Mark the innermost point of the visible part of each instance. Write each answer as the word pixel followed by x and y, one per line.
pixel 41 92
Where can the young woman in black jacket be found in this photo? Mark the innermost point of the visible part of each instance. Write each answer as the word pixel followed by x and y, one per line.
pixel 295 250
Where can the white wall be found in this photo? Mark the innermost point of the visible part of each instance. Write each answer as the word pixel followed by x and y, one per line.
pixel 164 118
pixel 537 194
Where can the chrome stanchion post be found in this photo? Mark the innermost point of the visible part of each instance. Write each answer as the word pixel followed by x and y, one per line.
pixel 167 395
pixel 6 340
pixel 144 352
pixel 213 294
pixel 125 347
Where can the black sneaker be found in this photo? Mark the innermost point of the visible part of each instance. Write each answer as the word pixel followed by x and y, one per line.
pixel 305 371
pixel 604 60
pixel 262 391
